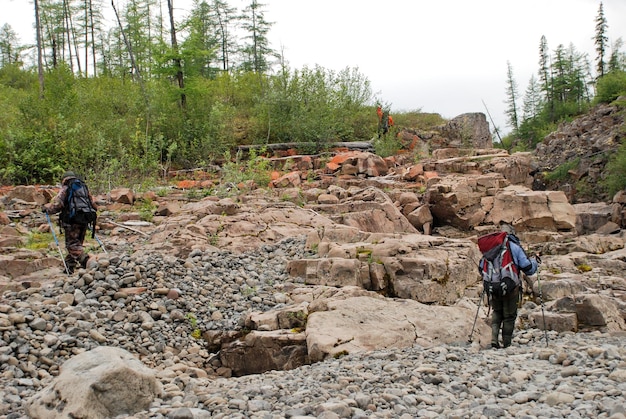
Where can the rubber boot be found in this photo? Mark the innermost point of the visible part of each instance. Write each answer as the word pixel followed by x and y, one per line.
pixel 496 324
pixel 506 341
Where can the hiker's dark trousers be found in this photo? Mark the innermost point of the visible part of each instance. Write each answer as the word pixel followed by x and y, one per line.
pixel 504 315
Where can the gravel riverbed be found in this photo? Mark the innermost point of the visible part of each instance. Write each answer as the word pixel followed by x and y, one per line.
pixel 150 304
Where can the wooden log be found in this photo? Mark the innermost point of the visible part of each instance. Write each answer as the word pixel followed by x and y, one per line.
pixel 350 145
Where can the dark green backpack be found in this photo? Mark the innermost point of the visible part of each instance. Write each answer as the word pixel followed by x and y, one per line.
pixel 78 208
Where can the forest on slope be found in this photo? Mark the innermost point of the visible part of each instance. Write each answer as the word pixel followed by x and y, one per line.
pixel 128 103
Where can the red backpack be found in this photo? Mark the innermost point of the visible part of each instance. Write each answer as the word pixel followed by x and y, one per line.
pixel 500 274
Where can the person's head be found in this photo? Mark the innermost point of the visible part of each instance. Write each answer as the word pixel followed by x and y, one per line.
pixel 67 176
pixel 507 228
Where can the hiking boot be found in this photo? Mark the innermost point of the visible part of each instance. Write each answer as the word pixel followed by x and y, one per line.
pixel 70 267
pixel 71 263
pixel 495 345
pixel 83 259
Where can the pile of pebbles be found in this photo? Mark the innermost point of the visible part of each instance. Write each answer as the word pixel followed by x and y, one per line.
pixel 150 305
pixel 574 376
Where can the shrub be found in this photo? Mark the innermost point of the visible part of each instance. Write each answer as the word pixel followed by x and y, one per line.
pixel 561 172
pixel 417 119
pixel 615 179
pixel 387 145
pixel 610 87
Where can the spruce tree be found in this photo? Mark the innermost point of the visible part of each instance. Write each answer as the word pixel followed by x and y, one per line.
pixel 257 49
pixel 511 98
pixel 601 41
pixel 225 17
pixel 9 49
pixel 201 45
pixel 617 61
pixel 532 99
pixel 545 79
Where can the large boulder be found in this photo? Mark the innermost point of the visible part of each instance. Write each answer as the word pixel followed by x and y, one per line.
pixel 516 168
pixel 338 326
pixel 599 311
pixel 358 162
pixel 463 201
pixel 469 130
pixel 591 216
pixel 591 244
pixel 25 262
pixel 26 194
pixel 261 351
pixel 526 209
pixel 428 269
pixel 122 196
pixel 102 383
pixel 368 209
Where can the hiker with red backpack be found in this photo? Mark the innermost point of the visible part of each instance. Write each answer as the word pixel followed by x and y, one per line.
pixel 78 213
pixel 503 259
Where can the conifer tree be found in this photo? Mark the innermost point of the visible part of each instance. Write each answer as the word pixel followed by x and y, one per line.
pixel 257 51
pixel 601 41
pixel 532 99
pixel 9 49
pixel 545 79
pixel 225 17
pixel 200 46
pixel 618 59
pixel 511 98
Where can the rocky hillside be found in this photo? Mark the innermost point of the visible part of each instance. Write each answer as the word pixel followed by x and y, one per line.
pixel 590 141
pixel 351 257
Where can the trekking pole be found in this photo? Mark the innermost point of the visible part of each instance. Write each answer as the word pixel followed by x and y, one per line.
pixel 482 297
pixel 100 243
pixel 543 314
pixel 57 242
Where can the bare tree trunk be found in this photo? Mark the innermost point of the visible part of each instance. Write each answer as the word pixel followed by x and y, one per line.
pixel 93 38
pixel 39 52
pixel 54 52
pixel 137 73
pixel 74 37
pixel 86 41
pixel 66 22
pixel 224 44
pixel 43 21
pixel 177 61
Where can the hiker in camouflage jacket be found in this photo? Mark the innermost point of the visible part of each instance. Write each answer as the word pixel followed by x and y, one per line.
pixel 74 233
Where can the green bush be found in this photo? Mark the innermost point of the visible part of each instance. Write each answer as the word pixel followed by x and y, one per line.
pixel 416 119
pixel 561 172
pixel 610 87
pixel 387 145
pixel 615 179
pixel 256 168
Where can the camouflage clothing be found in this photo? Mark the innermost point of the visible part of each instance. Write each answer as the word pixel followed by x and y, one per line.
pixel 74 233
pixel 74 238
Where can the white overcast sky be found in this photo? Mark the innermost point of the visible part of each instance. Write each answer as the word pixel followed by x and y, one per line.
pixel 443 56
